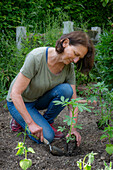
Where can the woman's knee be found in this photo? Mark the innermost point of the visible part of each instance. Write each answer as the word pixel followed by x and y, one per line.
pixel 49 137
pixel 49 134
pixel 66 90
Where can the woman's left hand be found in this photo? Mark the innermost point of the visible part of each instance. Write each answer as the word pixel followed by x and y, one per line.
pixel 78 136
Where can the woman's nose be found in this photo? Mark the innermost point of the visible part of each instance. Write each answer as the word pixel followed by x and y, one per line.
pixel 75 60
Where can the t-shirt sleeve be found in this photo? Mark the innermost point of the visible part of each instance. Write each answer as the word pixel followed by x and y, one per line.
pixel 70 78
pixel 29 69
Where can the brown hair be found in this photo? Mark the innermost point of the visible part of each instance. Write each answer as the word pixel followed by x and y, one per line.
pixel 79 38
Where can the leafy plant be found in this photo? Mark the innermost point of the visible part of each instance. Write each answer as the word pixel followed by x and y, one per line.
pixel 104 58
pixel 23 150
pixel 86 165
pixel 108 134
pixel 105 2
pixel 70 120
pixel 100 92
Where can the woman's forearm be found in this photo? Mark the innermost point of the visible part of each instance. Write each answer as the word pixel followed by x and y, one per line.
pixel 20 106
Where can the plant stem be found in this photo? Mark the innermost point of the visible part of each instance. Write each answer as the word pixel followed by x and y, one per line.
pixel 24 136
pixel 101 104
pixel 71 121
pixel 84 160
pixel 25 153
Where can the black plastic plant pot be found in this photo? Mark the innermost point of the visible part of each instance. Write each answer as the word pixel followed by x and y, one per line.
pixel 71 147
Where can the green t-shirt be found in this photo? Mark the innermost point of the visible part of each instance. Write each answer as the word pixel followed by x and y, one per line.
pixel 42 79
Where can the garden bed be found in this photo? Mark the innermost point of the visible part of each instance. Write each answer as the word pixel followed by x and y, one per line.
pixel 43 159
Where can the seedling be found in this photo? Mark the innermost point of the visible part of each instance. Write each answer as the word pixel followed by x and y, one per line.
pixel 86 165
pixel 23 150
pixel 107 167
pixel 71 120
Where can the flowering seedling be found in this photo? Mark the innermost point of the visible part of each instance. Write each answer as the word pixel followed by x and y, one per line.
pixel 86 166
pixel 23 150
pixel 108 134
pixel 71 120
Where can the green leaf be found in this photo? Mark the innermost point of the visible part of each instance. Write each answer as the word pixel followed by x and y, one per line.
pixel 91 157
pixel 103 136
pixel 20 151
pixel 87 167
pixel 62 98
pixel 61 128
pixel 80 109
pixel 109 149
pixel 30 150
pixel 79 164
pixel 19 134
pixel 25 163
pixel 78 126
pixel 20 144
pixel 67 99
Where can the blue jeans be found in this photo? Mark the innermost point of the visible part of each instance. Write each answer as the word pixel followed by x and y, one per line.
pixel 44 102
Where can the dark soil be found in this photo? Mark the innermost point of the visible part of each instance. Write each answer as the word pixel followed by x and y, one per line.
pixel 43 159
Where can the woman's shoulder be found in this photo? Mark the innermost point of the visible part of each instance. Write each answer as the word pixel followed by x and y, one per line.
pixel 38 51
pixel 37 54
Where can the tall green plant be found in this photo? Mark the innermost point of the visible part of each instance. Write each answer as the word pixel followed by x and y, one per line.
pixel 71 120
pixel 104 58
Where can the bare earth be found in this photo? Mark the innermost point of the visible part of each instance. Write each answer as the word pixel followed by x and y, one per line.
pixel 43 159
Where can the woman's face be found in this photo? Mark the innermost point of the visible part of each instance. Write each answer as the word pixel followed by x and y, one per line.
pixel 73 53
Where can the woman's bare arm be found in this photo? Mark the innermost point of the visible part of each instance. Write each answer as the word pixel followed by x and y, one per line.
pixel 18 88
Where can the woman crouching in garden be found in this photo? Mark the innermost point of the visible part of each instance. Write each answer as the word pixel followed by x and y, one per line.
pixel 48 74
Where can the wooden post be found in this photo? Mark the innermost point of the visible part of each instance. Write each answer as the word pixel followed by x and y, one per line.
pixel 20 33
pixel 68 27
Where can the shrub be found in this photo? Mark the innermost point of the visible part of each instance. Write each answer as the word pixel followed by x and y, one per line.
pixel 10 63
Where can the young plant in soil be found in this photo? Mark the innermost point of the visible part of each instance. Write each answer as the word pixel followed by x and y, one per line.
pixel 107 167
pixel 23 150
pixel 100 92
pixel 70 120
pixel 86 165
pixel 108 134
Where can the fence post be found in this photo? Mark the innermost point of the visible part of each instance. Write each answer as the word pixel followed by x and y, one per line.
pixel 68 27
pixel 98 29
pixel 20 33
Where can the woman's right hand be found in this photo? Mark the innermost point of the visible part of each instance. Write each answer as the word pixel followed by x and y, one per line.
pixel 36 130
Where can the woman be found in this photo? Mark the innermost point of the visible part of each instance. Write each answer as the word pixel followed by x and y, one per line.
pixel 48 74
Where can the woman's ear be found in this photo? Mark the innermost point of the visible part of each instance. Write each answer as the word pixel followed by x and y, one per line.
pixel 65 42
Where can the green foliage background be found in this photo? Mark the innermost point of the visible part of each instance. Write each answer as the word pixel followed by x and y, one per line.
pixel 33 13
pixel 104 58
pixel 46 18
